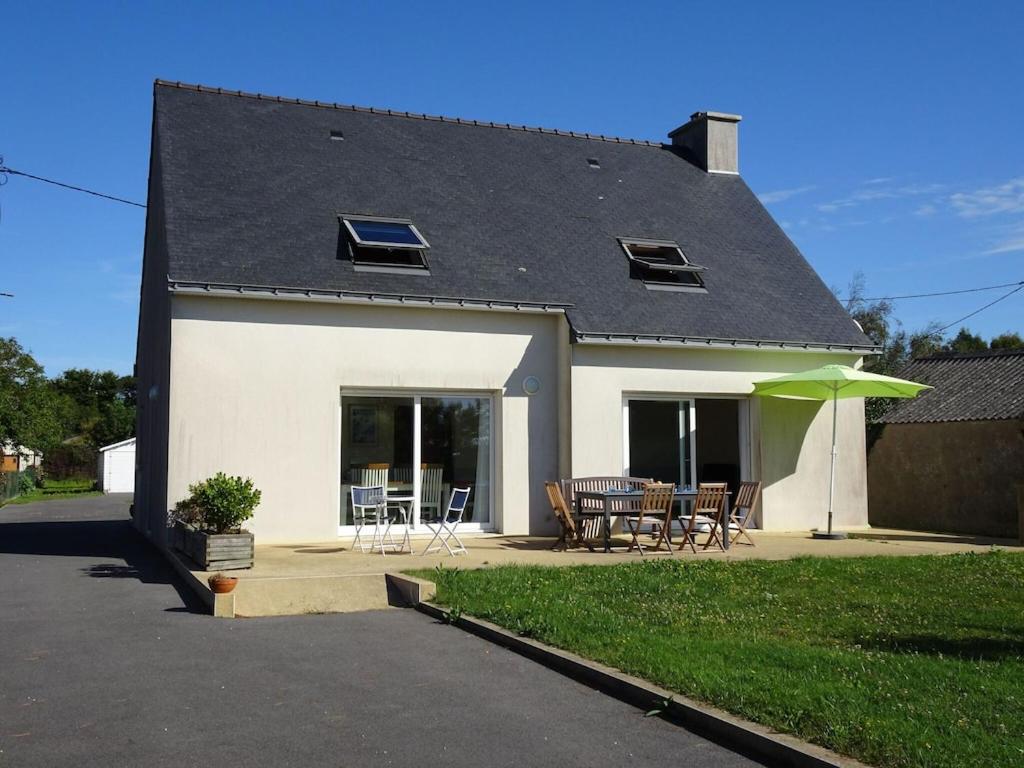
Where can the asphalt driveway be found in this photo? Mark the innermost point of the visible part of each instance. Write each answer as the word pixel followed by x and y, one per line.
pixel 105 660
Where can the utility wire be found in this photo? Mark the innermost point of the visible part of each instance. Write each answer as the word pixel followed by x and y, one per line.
pixel 942 293
pixel 5 170
pixel 943 329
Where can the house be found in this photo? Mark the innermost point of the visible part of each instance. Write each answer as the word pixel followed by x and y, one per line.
pixel 333 291
pixel 116 467
pixel 953 458
pixel 18 458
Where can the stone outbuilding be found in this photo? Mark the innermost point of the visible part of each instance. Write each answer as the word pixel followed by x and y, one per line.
pixel 953 458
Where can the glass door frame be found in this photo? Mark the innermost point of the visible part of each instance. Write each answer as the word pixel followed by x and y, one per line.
pixel 417 395
pixel 689 403
pixel 687 406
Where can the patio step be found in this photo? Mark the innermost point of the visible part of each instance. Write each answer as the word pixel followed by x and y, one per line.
pixel 291 595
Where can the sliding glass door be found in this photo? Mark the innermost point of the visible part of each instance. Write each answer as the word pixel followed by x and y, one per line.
pixel 659 440
pixel 686 441
pixel 420 445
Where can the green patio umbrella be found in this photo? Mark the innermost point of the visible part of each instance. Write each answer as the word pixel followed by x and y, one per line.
pixel 831 382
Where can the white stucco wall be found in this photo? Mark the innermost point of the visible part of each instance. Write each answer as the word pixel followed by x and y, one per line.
pixel 255 387
pixel 790 439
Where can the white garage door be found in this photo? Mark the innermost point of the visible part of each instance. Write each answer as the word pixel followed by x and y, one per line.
pixel 119 471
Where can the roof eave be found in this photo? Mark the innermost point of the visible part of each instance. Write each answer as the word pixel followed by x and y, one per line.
pixel 702 342
pixel 287 293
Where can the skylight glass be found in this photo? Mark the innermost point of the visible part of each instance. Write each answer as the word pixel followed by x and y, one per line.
pixel 384 233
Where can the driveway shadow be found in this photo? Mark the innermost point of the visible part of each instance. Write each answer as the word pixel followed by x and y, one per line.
pixel 121 551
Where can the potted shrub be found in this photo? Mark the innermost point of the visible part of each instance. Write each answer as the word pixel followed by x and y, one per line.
pixel 208 523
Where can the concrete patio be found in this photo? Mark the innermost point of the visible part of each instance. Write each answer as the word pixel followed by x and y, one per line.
pixel 328 576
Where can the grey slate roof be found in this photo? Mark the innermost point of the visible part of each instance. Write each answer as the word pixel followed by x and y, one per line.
pixel 968 387
pixel 253 186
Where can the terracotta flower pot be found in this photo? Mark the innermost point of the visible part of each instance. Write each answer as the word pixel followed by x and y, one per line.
pixel 221 584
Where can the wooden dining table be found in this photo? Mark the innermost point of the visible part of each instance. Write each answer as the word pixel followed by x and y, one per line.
pixel 624 501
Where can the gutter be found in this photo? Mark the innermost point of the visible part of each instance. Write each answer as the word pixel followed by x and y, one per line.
pixel 288 293
pixel 360 297
pixel 707 342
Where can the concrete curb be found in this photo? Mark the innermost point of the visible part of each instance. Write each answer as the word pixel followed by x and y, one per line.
pixel 220 606
pixel 739 735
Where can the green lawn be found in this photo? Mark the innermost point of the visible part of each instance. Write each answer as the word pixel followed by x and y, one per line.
pixel 73 488
pixel 898 661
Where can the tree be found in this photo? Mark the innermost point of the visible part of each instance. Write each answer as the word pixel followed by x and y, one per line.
pixel 97 405
pixel 1008 340
pixel 965 341
pixel 28 415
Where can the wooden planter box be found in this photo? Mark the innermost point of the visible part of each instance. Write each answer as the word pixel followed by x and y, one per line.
pixel 214 551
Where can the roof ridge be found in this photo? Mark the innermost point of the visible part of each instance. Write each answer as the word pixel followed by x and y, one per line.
pixel 398 113
pixel 981 353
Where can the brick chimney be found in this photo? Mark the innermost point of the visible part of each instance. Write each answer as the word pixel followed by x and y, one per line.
pixel 710 141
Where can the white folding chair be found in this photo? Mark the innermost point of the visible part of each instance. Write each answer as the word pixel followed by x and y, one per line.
pixel 431 490
pixel 444 526
pixel 374 474
pixel 369 507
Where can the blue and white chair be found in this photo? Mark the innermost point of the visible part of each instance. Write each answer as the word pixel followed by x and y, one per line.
pixel 369 507
pixel 444 526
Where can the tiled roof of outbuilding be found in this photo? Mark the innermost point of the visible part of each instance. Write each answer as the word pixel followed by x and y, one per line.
pixel 974 386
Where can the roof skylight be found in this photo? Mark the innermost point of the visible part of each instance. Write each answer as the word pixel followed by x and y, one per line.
pixel 386 243
pixel 662 264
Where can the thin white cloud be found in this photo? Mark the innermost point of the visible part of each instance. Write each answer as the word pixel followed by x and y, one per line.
pixel 1007 197
pixel 1011 242
pixel 879 180
pixel 879 192
pixel 926 210
pixel 780 195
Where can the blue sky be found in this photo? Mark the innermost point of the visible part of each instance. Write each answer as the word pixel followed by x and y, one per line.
pixel 885 137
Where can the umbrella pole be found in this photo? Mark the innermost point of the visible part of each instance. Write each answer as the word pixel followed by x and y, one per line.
pixel 832 475
pixel 832 469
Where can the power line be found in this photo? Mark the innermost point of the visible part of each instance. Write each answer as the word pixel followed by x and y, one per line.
pixel 943 329
pixel 5 170
pixel 943 293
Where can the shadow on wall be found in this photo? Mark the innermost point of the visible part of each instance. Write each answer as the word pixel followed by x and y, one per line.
pixel 542 432
pixel 784 427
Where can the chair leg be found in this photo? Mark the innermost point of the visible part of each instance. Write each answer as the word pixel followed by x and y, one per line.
pixel 689 537
pixel 437 532
pixel 357 542
pixel 461 548
pixel 635 532
pixel 663 537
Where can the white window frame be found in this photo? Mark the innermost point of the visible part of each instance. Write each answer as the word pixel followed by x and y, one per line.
pixel 417 528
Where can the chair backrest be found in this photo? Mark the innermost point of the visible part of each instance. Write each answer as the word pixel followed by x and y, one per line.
pixel 559 507
pixel 375 474
pixel 457 504
pixel 366 496
pixel 431 485
pixel 657 499
pixel 710 499
pixel 601 484
pixel 746 498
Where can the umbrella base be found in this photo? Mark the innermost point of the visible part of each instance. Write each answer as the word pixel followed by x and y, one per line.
pixel 834 536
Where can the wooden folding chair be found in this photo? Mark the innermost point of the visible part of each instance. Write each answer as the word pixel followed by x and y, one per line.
pixel 742 512
pixel 571 534
pixel 705 515
pixel 655 508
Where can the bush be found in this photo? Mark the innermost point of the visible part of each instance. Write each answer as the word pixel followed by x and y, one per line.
pixel 219 504
pixel 26 482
